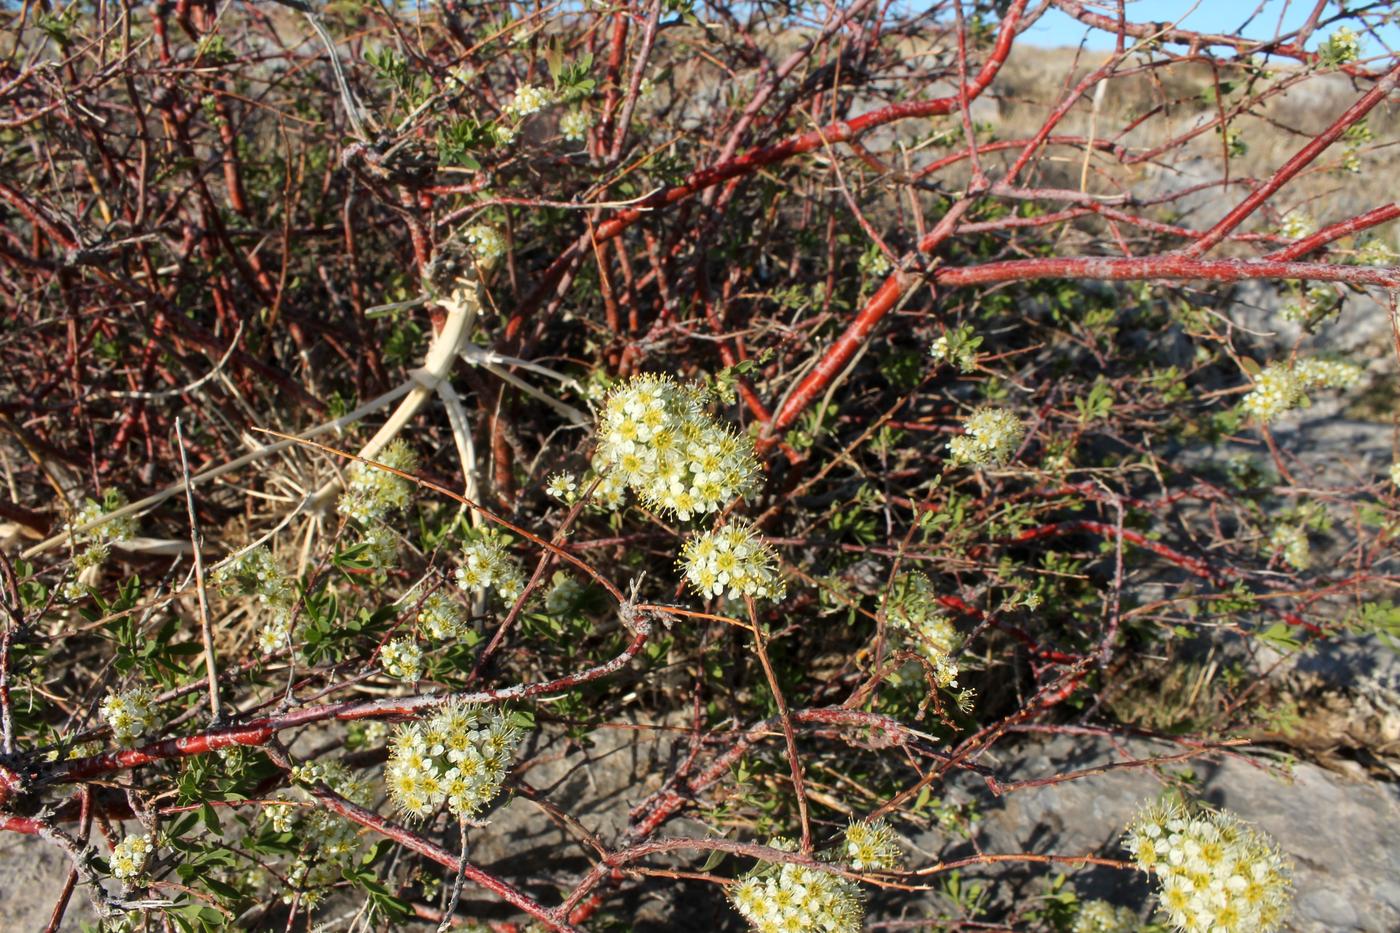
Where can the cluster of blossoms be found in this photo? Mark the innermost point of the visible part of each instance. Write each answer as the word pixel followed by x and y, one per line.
pixel 1341 47
pixel 442 618
pixel 873 262
pixel 655 438
pixel 402 658
pixel 1102 917
pixel 528 99
pixel 871 846
pixel 575 124
pixel 487 243
pixel 255 573
pixel 1292 542
pixel 562 486
pixel 1280 387
pixel 992 436
pixel 130 713
pixel 457 756
pixel 781 898
pixel 372 493
pixel 733 559
pixel 912 606
pixel 487 564
pixel 1395 473
pixel 1215 874
pixel 1316 303
pixel 335 839
pixel 129 857
pixel 94 546
pixel 1297 225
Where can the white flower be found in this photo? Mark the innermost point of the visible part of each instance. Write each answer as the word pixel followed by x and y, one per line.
pixel 255 573
pixel 992 436
pixel 732 559
pixel 486 242
pixel 575 124
pixel 871 846
pixel 787 898
pixel 562 486
pixel 528 99
pixel 457 756
pixel 130 713
pixel 1102 917
pixel 1341 47
pixel 1214 872
pixel 1292 541
pixel 1395 473
pixel 129 857
pixel 911 606
pixel 371 493
pixel 487 564
pixel 655 437
pixel 1280 387
pixel 402 658
pixel 441 618
pixel 1297 226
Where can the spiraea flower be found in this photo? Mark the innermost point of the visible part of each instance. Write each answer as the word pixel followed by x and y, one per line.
pixel 732 559
pixel 1102 917
pixel 333 842
pixel 528 99
pixel 1341 47
pixel 371 493
pixel 871 846
pixel 575 124
pixel 1292 542
pixel 957 347
pixel 458 756
pixel 990 439
pixel 911 606
pixel 1214 872
pixel 656 437
pixel 276 633
pixel 130 713
pixel 1297 225
pixel 563 486
pixel 442 618
pixel 487 565
pixel 402 658
pixel 1395 473
pixel 255 573
pixel 93 546
pixel 129 857
pixel 788 898
pixel 487 243
pixel 1280 387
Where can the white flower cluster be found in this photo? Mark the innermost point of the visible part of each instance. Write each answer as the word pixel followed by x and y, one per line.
pixel 562 486
pixel 871 846
pixel 457 756
pixel 1297 225
pixel 656 438
pixel 1292 541
pixel 528 99
pixel 276 633
pixel 130 713
pixel 487 564
pixel 788 898
pixel 96 543
pixel 1341 47
pixel 372 493
pixel 334 839
pixel 575 124
pixel 441 617
pixel 129 857
pixel 732 558
pixel 991 438
pixel 402 658
pixel 255 573
pixel 1215 874
pixel 1395 473
pixel 381 547
pixel 1280 387
pixel 487 243
pixel 1102 917
pixel 912 606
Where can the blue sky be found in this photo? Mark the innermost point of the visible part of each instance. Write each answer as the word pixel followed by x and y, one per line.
pixel 1214 16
